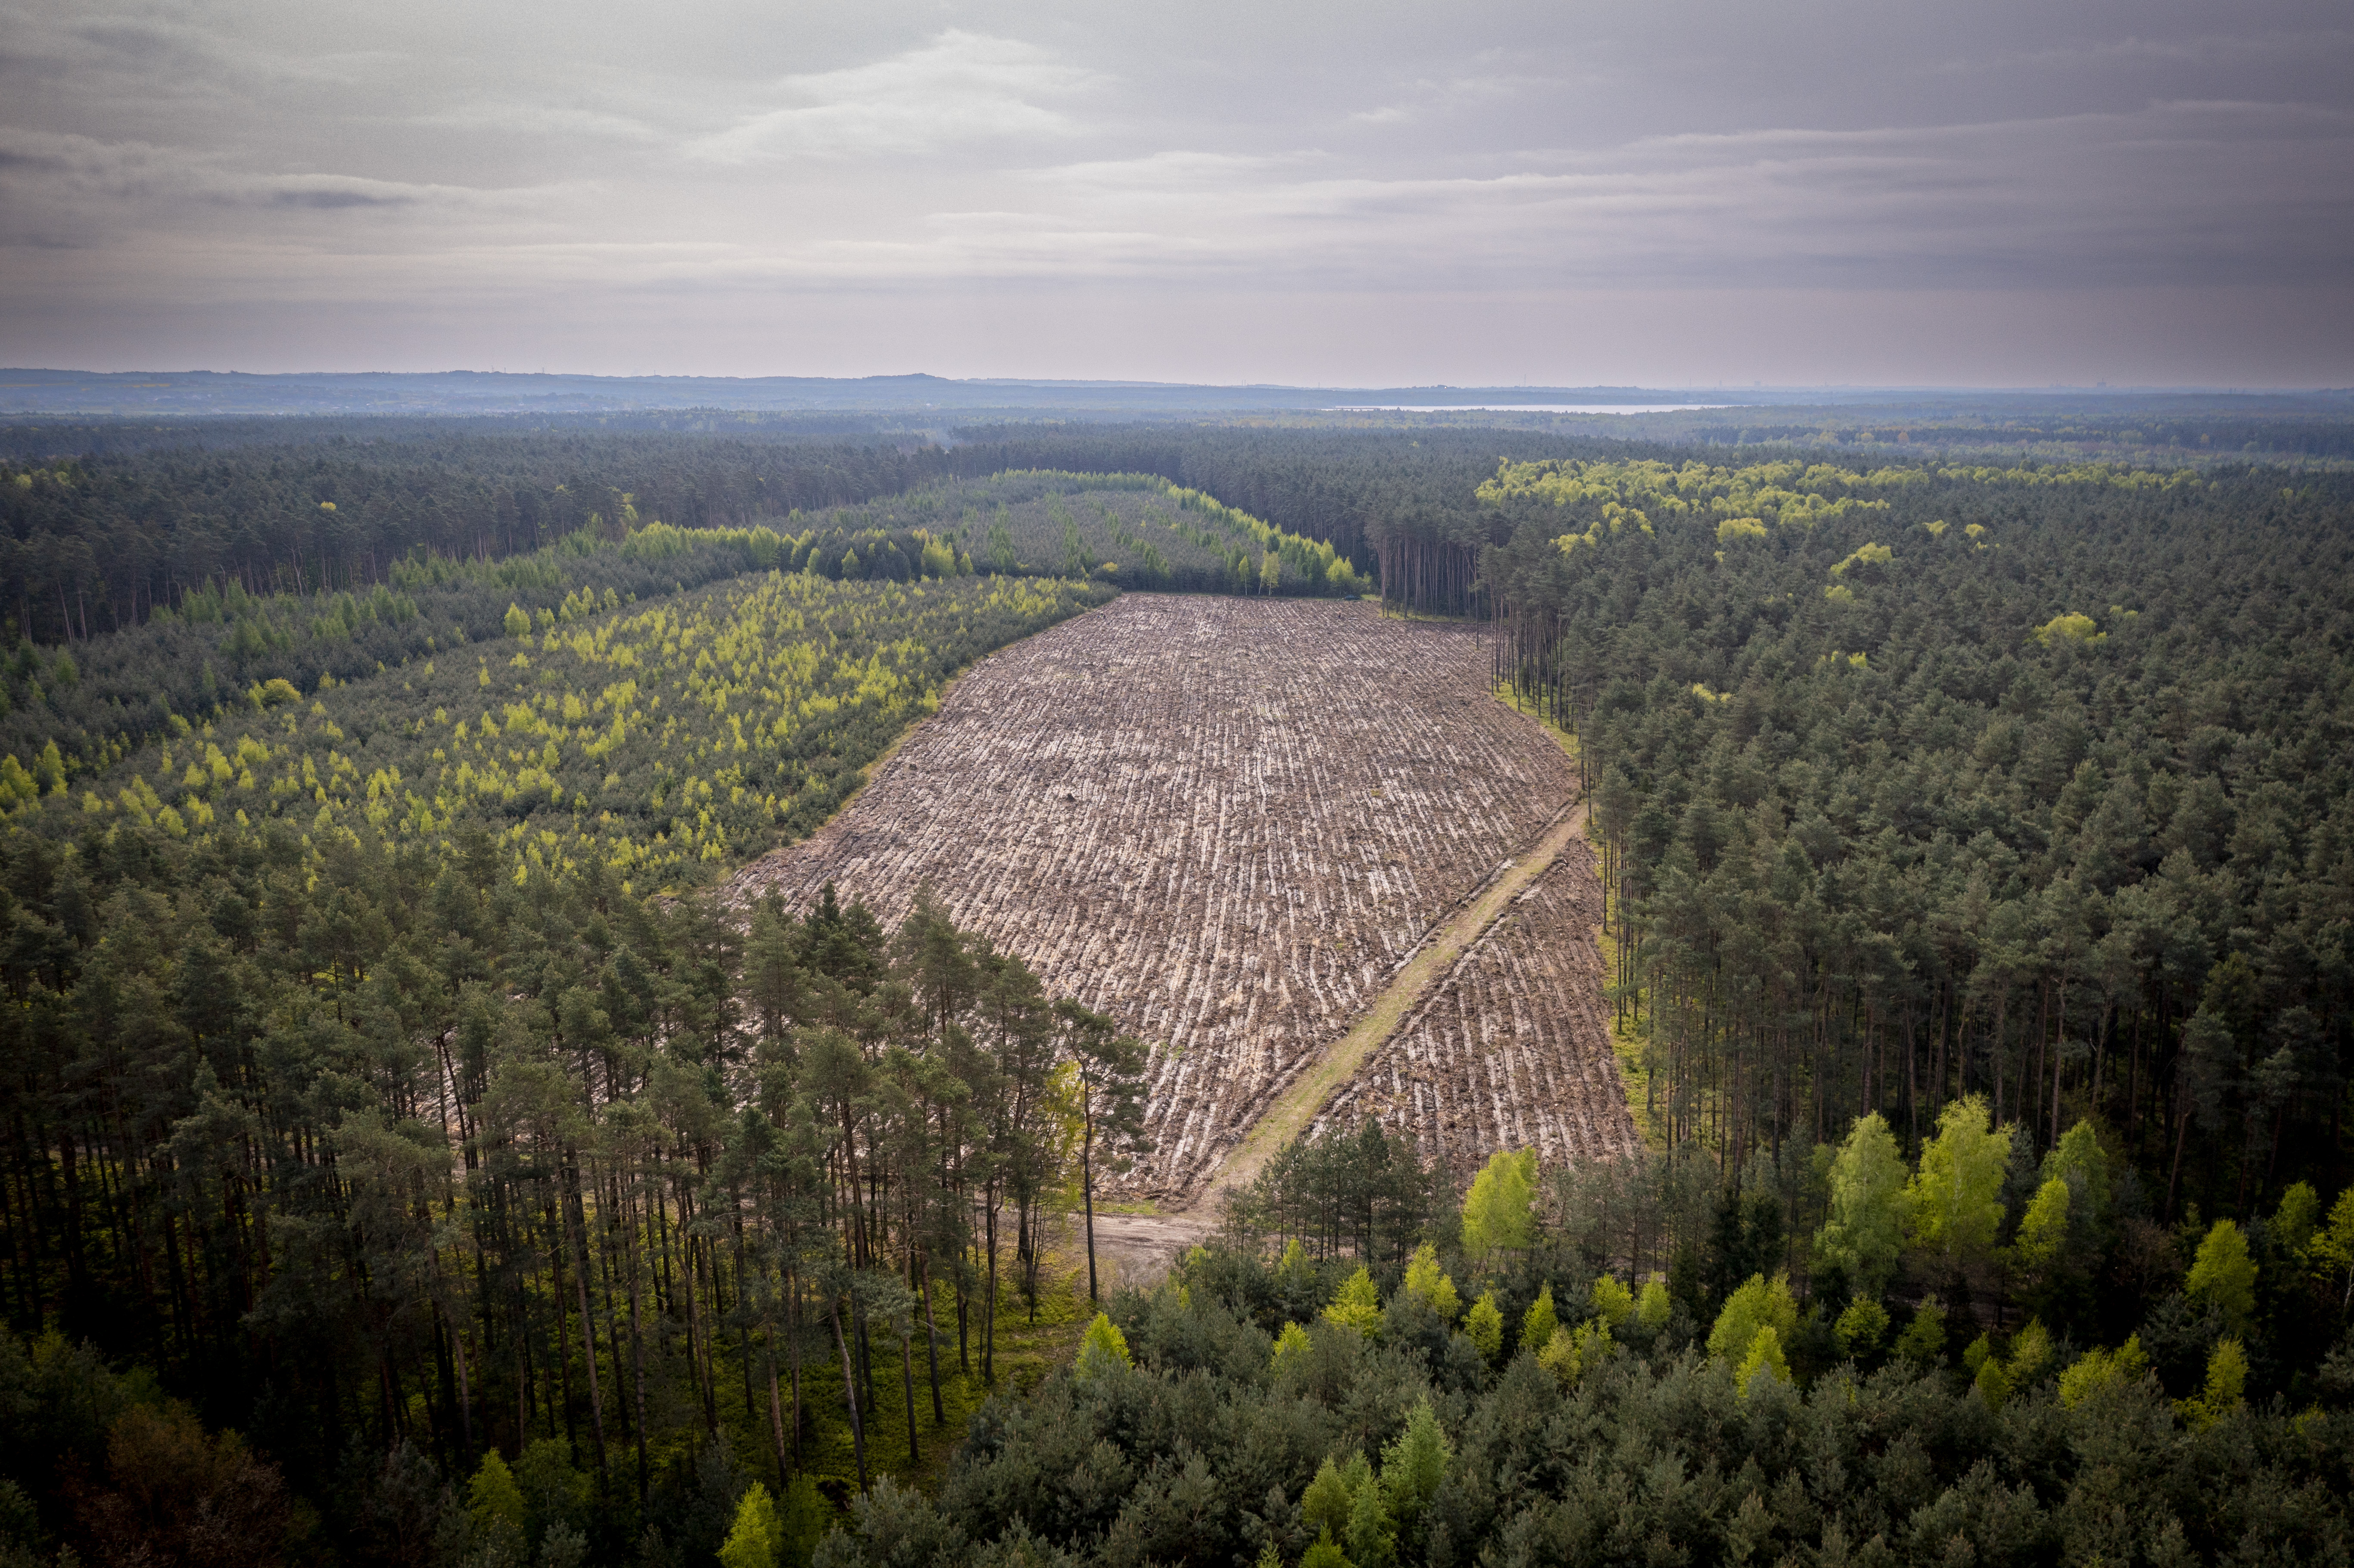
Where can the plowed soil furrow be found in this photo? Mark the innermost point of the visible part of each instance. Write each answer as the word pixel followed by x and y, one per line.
pixel 1227 821
pixel 1513 1049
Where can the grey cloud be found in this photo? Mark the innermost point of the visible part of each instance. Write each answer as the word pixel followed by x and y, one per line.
pixel 331 199
pixel 530 165
pixel 957 87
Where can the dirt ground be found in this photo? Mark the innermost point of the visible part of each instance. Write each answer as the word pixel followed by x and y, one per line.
pixel 1230 822
pixel 1513 1049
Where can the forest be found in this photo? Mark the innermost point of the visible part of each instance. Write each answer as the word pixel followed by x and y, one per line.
pixel 1365 1371
pixel 410 1161
pixel 1137 530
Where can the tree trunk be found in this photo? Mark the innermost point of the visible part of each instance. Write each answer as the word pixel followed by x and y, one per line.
pixel 849 1395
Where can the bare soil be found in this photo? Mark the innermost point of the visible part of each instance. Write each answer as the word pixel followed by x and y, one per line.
pixel 1229 822
pixel 1513 1049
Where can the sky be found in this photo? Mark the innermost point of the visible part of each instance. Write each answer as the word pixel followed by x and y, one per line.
pixel 1677 192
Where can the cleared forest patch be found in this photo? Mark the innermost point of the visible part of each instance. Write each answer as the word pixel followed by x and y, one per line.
pixel 1228 823
pixel 1513 1049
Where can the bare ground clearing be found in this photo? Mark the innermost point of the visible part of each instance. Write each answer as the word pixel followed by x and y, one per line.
pixel 1304 1107
pixel 1227 821
pixel 1513 1049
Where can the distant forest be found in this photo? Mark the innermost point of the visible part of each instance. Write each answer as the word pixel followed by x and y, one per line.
pixel 406 1164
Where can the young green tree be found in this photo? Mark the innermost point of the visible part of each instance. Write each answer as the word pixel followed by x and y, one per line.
pixel 2224 1390
pixel 1484 1326
pixel 1864 1235
pixel 2331 1252
pixel 1426 1284
pixel 1613 1302
pixel 1104 1347
pixel 494 1504
pixel 1861 1325
pixel 754 1537
pixel 1764 1356
pixel 1954 1201
pixel 2222 1275
pixel 2099 1372
pixel 1414 1465
pixel 1538 1324
pixel 1373 1534
pixel 1757 1304
pixel 1358 1304
pixel 1924 1338
pixel 1497 1213
pixel 2043 1229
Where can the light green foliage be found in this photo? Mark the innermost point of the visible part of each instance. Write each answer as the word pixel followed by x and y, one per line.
pixel 2226 1387
pixel 1331 1499
pixel 518 621
pixel 1325 1504
pixel 1484 1326
pixel 1758 1304
pixel 1613 1300
pixel 1359 1304
pixel 802 1521
pixel 1954 1201
pixel 2043 1229
pixel 1293 1340
pixel 2330 1253
pixel 1765 1355
pixel 2293 1221
pixel 1373 1534
pixel 1861 1325
pixel 2069 627
pixel 1497 1213
pixel 1734 528
pixel 2080 1157
pixel 1538 1323
pixel 1324 1554
pixel 1993 1382
pixel 2099 1372
pixel 2030 1353
pixel 1924 1338
pixel 1865 1234
pixel 1865 555
pixel 552 1489
pixel 1414 1464
pixel 1653 1307
pixel 1103 1347
pixel 1977 1352
pixel 2224 1275
pixel 662 740
pixel 1619 495
pixel 1426 1284
pixel 494 1504
pixel 1135 528
pixel 753 1540
pixel 1570 1355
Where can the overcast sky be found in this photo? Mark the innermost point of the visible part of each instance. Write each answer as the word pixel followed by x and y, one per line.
pixel 1666 193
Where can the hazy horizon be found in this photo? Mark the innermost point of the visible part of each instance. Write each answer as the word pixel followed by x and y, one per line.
pixel 2148 197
